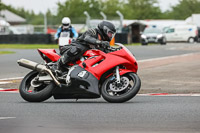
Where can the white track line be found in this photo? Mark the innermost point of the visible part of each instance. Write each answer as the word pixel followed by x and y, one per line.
pixel 4 82
pixel 157 94
pixel 3 118
pixel 15 78
pixel 168 57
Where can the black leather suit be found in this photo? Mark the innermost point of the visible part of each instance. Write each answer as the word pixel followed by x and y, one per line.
pixel 88 40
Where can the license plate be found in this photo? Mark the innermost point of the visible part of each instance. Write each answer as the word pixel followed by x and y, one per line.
pixel 151 39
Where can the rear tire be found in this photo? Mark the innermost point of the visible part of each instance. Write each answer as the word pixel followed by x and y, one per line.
pixel 191 40
pixel 126 94
pixel 39 94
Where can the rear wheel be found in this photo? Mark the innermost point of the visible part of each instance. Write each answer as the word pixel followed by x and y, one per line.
pixel 191 40
pixel 117 93
pixel 33 91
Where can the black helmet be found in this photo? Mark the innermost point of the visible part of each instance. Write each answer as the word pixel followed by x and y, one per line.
pixel 108 30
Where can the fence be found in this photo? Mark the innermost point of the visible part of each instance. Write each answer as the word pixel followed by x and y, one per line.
pixel 45 39
pixel 26 39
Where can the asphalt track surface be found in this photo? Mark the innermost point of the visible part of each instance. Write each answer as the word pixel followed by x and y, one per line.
pixel 144 113
pixel 152 114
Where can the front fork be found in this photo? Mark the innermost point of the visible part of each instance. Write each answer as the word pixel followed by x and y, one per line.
pixel 117 75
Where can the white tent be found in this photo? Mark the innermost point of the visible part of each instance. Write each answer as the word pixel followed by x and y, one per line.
pixel 163 23
pixel 4 27
pixel 194 19
pixel 11 17
pixel 3 23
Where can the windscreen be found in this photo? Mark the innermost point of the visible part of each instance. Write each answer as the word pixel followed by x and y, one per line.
pixel 152 30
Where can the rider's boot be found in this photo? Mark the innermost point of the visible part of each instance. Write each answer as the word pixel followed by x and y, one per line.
pixel 61 67
pixel 58 68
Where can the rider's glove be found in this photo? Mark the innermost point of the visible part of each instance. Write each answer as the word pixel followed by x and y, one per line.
pixel 104 44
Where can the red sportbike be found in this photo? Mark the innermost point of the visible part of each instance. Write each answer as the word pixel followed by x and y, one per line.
pixel 111 74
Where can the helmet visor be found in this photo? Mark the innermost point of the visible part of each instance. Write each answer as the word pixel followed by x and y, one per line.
pixel 65 26
pixel 109 33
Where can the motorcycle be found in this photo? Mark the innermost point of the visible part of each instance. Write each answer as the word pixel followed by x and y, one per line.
pixel 64 39
pixel 111 74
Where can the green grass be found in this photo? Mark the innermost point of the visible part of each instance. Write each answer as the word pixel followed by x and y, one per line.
pixel 28 46
pixel 42 46
pixel 6 52
pixel 134 44
pixel 141 44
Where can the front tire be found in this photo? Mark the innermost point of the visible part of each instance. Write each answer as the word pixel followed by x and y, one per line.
pixel 131 84
pixel 35 94
pixel 163 41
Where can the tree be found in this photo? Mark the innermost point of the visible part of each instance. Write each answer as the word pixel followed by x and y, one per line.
pixel 75 8
pixel 184 9
pixel 142 9
pixel 109 7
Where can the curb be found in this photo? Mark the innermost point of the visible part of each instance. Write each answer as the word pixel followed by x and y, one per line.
pixel 147 94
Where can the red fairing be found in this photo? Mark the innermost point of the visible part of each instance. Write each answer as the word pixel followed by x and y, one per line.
pixel 93 52
pixel 98 62
pixel 50 53
pixel 104 62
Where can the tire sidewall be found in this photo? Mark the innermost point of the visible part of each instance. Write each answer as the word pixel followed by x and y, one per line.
pixel 163 41
pixel 40 96
pixel 124 97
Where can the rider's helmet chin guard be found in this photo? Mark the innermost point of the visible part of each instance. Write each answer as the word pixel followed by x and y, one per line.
pixel 108 30
pixel 66 22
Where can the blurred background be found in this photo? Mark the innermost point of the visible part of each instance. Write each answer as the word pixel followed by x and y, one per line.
pixel 137 21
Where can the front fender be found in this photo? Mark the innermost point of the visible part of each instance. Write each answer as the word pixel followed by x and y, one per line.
pixel 124 71
pixel 121 72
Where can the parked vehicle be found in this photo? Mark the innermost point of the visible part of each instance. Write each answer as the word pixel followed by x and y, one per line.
pixel 183 33
pixel 198 36
pixel 111 74
pixel 153 35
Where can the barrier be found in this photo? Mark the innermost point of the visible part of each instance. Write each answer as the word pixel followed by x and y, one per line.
pixel 46 39
pixel 121 38
pixel 26 39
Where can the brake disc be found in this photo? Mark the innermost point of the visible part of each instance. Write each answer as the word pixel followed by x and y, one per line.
pixel 124 84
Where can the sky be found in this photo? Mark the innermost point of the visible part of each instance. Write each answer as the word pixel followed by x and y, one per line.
pixel 42 5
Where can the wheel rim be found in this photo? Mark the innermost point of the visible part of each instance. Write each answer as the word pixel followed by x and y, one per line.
pixel 30 88
pixel 191 40
pixel 127 84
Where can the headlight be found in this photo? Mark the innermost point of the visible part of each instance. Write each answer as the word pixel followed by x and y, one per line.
pixel 159 36
pixel 143 36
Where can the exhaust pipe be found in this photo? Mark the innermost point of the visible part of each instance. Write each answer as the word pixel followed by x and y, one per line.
pixel 38 67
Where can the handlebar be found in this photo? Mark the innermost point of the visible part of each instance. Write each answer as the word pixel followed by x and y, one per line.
pixel 112 49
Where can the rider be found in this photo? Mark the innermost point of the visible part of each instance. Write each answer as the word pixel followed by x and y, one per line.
pixel 93 38
pixel 66 27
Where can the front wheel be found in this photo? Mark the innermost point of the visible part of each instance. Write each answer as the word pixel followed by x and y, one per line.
pixel 33 91
pixel 163 41
pixel 114 92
